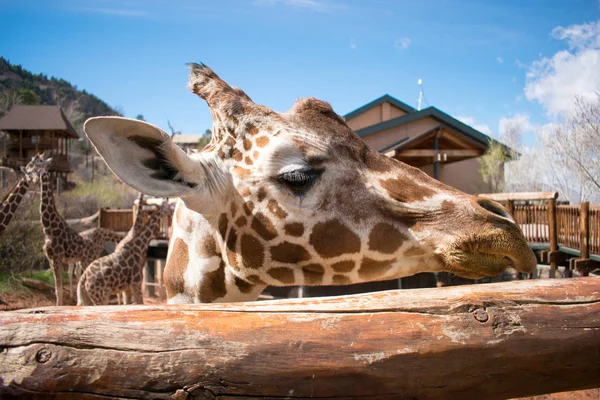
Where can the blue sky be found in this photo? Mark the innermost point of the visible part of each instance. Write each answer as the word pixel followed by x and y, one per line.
pixel 485 62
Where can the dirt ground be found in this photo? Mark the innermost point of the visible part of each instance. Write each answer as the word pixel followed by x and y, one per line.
pixel 31 298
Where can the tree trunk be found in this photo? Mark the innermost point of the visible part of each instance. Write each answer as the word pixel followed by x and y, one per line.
pixel 491 341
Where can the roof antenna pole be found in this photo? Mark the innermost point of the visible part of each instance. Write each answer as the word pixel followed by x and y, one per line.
pixel 420 83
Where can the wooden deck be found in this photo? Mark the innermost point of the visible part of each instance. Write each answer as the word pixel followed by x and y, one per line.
pixel 559 232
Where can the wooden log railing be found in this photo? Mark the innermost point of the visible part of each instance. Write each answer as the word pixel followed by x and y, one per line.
pixel 493 341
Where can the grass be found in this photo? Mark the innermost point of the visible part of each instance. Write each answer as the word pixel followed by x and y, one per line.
pixel 12 282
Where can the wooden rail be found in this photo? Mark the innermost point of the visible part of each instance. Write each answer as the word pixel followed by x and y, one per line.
pixel 573 230
pixel 121 220
pixel 493 341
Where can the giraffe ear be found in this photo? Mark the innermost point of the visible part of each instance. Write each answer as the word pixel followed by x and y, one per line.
pixel 144 156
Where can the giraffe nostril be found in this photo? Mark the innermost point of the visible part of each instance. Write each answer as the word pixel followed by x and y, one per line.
pixel 493 207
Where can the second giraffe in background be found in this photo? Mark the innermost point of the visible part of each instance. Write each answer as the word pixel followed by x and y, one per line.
pixel 121 271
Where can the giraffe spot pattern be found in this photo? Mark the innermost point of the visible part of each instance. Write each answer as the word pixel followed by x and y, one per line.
pixel 414 251
pixel 282 274
pixel 175 269
pixel 332 238
pixel 313 274
pixel 262 225
pixel 255 279
pixel 405 191
pixel 241 221
pixel 386 239
pixel 372 269
pixel 274 207
pixel 242 173
pixel 243 286
pixel 248 207
pixel 253 252
pixel 231 245
pixel 343 266
pixel 223 225
pixel 262 141
pixel 213 285
pixel 294 229
pixel 340 280
pixel 289 253
pixel 262 193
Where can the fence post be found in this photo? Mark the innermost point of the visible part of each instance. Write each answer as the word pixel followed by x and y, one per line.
pixel 553 233
pixel 583 263
pixel 510 206
pixel 100 217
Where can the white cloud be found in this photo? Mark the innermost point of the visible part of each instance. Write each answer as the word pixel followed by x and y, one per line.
pixel 402 43
pixel 555 81
pixel 312 5
pixel 500 60
pixel 520 64
pixel 483 128
pixel 519 121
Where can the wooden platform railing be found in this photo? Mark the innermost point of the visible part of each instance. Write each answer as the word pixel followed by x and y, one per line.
pixel 121 220
pixel 564 228
pixel 493 341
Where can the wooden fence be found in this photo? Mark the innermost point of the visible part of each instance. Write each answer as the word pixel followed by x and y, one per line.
pixel 121 220
pixel 562 229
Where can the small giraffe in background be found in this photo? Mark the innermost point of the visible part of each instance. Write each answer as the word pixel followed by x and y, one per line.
pixel 64 245
pixel 121 271
pixel 10 204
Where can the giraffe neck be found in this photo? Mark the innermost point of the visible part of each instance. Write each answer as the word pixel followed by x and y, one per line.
pixel 11 202
pixel 142 237
pixel 48 210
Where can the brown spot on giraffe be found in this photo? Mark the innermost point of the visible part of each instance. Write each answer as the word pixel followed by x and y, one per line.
pixel 255 154
pixel 262 225
pixel 248 207
pixel 343 266
pixel 175 269
pixel 245 192
pixel 253 252
pixel 294 229
pixel 276 210
pixel 213 285
pixel 332 238
pixel 255 279
pixel 207 247
pixel 289 253
pixel 313 274
pixel 241 221
pixel 231 247
pixel 237 155
pixel 386 239
pixel 400 190
pixel 248 161
pixel 223 225
pixel 282 274
pixel 251 129
pixel 373 269
pixel 262 141
pixel 247 144
pixel 243 286
pixel 262 193
pixel 341 280
pixel 233 209
pixel 242 173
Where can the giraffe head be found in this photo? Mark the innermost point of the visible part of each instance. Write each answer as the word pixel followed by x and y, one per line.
pixel 36 168
pixel 299 195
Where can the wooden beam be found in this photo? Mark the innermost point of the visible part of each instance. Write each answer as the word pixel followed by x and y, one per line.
pixel 492 341
pixel 520 196
pixel 434 153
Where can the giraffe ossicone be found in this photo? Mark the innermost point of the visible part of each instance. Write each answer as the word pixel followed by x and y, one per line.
pixel 297 198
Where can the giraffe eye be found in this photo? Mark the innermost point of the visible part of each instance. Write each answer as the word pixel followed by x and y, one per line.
pixel 299 181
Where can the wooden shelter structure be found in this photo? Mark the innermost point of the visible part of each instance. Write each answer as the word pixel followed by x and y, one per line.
pixel 34 129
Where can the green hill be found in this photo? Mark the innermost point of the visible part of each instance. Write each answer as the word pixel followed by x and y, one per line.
pixel 20 86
